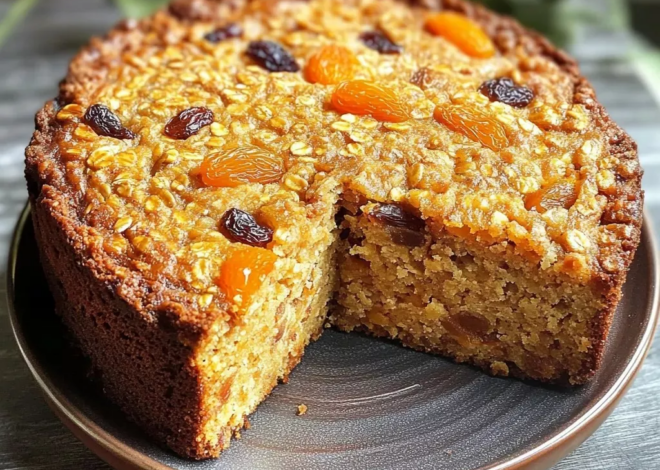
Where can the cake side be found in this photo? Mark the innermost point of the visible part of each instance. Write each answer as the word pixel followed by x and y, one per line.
pixel 144 362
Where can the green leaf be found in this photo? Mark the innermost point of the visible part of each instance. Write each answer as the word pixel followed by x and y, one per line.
pixel 139 8
pixel 14 16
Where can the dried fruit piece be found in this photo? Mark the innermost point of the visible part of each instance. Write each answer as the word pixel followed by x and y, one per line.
pixel 468 327
pixel 378 41
pixel 244 271
pixel 241 227
pixel 232 30
pixel 427 78
pixel 558 194
pixel 234 166
pixel 474 124
pixel 106 123
pixel 406 237
pixel 506 91
pixel 331 64
pixel 272 56
pixel 188 122
pixel 362 97
pixel 395 216
pixel 404 228
pixel 461 31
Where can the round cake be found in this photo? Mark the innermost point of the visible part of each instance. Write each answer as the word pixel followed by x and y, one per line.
pixel 216 183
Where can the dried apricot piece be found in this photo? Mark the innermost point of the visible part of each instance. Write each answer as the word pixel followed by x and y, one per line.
pixel 461 31
pixel 363 97
pixel 474 124
pixel 235 166
pixel 557 194
pixel 244 271
pixel 331 64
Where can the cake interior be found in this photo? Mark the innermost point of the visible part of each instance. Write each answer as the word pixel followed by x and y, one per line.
pixel 241 365
pixel 477 303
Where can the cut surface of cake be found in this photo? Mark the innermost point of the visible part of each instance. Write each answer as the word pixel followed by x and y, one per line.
pixel 210 178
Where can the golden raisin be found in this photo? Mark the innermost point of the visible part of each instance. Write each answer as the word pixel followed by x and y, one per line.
pixel 558 194
pixel 362 97
pixel 240 165
pixel 331 64
pixel 474 124
pixel 244 271
pixel 467 328
pixel 461 31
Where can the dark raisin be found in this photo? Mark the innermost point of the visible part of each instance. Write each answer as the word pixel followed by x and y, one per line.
pixel 239 226
pixel 404 228
pixel 188 122
pixel 105 122
pixel 395 216
pixel 271 56
pixel 232 30
pixel 380 42
pixel 406 236
pixel 506 91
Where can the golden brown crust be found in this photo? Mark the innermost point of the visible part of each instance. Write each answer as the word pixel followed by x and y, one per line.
pixel 151 364
pixel 169 316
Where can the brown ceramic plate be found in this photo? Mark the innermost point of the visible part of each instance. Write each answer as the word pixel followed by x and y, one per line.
pixel 372 404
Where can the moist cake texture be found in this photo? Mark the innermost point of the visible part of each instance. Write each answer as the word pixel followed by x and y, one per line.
pixel 209 178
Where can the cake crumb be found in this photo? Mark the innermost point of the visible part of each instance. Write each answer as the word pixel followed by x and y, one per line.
pixel 302 409
pixel 246 423
pixel 499 368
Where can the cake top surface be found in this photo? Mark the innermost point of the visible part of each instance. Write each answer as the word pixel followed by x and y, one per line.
pixel 281 109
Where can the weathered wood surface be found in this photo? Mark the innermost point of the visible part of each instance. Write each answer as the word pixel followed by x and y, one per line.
pixel 31 64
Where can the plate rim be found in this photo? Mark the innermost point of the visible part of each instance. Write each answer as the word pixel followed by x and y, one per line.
pixel 563 441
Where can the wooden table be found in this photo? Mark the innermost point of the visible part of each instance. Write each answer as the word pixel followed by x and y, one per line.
pixel 31 64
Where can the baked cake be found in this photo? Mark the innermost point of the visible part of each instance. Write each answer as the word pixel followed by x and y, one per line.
pixel 210 178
